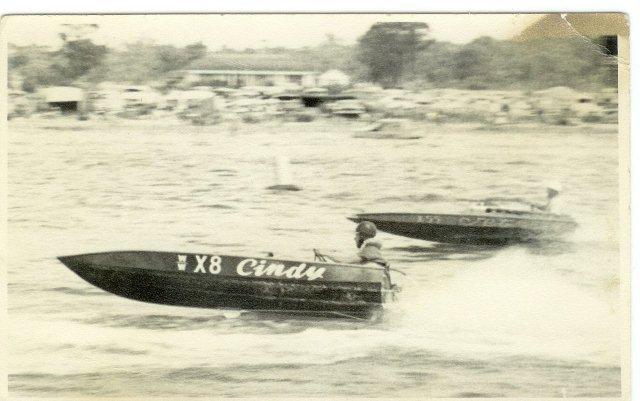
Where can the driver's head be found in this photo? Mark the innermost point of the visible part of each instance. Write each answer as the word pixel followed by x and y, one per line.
pixel 553 189
pixel 364 231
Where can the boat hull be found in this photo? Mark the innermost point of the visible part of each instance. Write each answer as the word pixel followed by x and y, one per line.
pixel 470 229
pixel 229 282
pixel 378 135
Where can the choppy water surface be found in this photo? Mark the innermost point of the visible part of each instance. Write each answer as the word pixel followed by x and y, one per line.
pixel 510 322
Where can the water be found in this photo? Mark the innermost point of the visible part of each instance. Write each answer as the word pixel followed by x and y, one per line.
pixel 508 322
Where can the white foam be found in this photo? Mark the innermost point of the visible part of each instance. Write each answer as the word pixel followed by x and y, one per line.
pixel 519 304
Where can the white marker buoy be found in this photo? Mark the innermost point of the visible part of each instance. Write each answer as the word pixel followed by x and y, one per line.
pixel 284 182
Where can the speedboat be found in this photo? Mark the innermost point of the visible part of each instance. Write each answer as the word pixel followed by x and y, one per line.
pixel 209 280
pixel 482 224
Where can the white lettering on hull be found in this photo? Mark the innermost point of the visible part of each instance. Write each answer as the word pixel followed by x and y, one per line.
pixel 252 267
pixel 182 262
pixel 214 266
pixel 200 268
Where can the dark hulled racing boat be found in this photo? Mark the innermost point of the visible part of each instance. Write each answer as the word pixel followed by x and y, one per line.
pixel 237 282
pixel 486 226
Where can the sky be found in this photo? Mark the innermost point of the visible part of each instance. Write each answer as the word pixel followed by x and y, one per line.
pixel 255 30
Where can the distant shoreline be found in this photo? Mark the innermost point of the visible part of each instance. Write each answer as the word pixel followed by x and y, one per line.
pixel 167 124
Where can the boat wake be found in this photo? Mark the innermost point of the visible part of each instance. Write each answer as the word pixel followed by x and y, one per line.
pixel 516 303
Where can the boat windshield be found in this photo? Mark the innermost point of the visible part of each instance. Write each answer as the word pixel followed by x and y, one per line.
pixel 516 208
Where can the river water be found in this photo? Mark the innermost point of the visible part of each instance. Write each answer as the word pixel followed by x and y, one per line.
pixel 519 321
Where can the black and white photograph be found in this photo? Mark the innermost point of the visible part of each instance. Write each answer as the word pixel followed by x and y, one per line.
pixel 291 205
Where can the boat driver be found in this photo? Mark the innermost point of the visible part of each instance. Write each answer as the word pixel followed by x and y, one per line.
pixel 553 190
pixel 368 249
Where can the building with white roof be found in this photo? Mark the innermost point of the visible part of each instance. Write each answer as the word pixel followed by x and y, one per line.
pixel 242 78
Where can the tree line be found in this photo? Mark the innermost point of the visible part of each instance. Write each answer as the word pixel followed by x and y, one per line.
pixel 399 54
